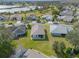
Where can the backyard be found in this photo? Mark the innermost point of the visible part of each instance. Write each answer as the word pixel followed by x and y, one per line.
pixel 42 46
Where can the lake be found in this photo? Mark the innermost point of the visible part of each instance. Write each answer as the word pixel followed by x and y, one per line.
pixel 12 9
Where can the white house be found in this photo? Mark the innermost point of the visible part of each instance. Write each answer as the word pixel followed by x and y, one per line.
pixel 47 17
pixel 60 29
pixel 66 18
pixel 2 18
pixel 37 31
pixel 31 17
pixel 16 17
pixel 66 12
pixel 2 25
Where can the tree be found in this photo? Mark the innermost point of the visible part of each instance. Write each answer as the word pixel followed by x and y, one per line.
pixel 29 26
pixel 55 12
pixel 6 47
pixel 73 36
pixel 62 51
pixel 59 48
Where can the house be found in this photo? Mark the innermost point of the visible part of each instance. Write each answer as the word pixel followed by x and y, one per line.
pixel 57 29
pixel 50 22
pixel 32 7
pixel 37 31
pixel 8 25
pixel 18 52
pixel 34 22
pixel 2 18
pixel 2 25
pixel 31 17
pixel 66 12
pixel 18 29
pixel 71 7
pixel 47 17
pixel 39 7
pixel 16 17
pixel 66 18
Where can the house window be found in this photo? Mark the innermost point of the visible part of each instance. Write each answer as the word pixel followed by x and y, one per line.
pixel 41 36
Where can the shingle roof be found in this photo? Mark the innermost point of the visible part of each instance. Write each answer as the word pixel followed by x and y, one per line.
pixel 66 18
pixel 66 12
pixel 37 29
pixel 60 28
pixel 47 17
pixel 17 16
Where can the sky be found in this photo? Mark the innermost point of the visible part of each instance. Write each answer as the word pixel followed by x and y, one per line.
pixel 26 0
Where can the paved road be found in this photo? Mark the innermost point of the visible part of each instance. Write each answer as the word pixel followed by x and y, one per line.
pixel 33 54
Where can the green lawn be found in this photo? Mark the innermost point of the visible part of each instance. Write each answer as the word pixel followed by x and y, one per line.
pixel 42 46
pixel 7 22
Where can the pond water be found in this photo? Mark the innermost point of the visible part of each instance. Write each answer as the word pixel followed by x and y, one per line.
pixel 12 9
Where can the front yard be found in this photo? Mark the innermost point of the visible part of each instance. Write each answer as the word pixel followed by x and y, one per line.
pixel 42 46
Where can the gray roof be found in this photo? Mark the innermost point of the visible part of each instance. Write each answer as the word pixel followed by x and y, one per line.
pixel 31 17
pixel 66 12
pixel 66 18
pixel 17 16
pixel 37 29
pixel 30 53
pixel 60 28
pixel 47 17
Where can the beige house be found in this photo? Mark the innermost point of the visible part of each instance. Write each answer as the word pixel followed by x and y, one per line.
pixel 16 17
pixel 37 31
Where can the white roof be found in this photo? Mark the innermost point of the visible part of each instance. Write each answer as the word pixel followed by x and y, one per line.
pixel 47 17
pixel 7 25
pixel 66 18
pixel 60 28
pixel 17 16
pixel 66 12
pixel 34 22
pixel 18 23
pixel 50 22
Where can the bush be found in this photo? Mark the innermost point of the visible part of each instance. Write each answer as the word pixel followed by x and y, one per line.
pixel 76 51
pixel 69 52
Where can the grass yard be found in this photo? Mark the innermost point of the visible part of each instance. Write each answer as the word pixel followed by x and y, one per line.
pixel 8 22
pixel 42 46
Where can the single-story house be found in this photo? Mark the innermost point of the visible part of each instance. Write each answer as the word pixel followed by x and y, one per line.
pixel 69 7
pixel 66 18
pixel 77 17
pixel 18 52
pixel 60 29
pixel 77 13
pixel 18 29
pixel 34 22
pixel 2 18
pixel 32 7
pixel 66 8
pixel 50 22
pixel 31 17
pixel 8 25
pixel 47 17
pixel 2 25
pixel 37 31
pixel 66 12
pixel 16 17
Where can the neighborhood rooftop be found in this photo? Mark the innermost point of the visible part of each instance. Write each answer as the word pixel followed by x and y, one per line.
pixel 37 29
